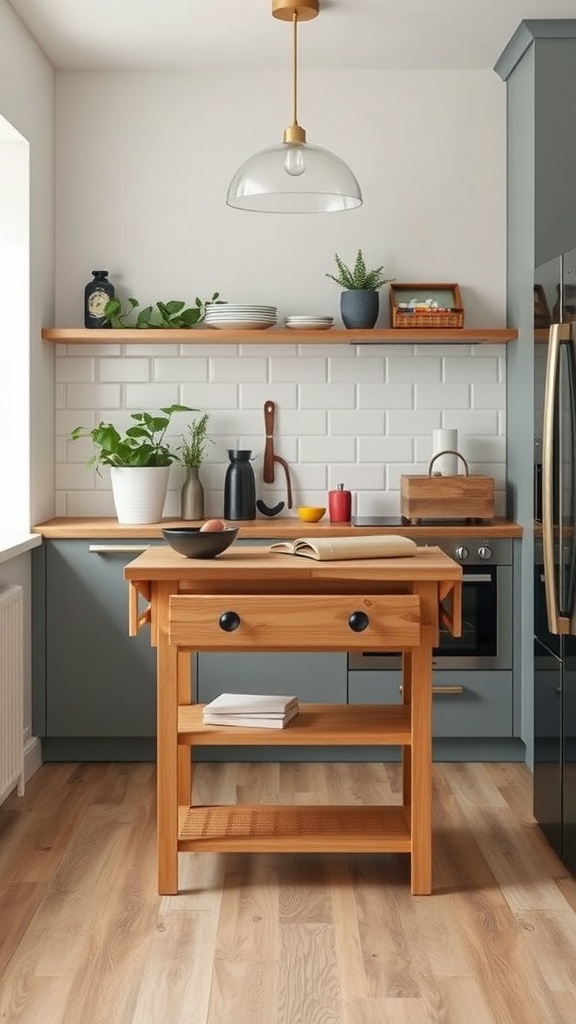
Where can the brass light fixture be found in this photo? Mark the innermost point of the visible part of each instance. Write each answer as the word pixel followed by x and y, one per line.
pixel 294 177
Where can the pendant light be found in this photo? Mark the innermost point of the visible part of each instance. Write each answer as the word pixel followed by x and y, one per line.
pixel 294 177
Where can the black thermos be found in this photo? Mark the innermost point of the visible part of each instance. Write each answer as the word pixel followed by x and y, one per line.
pixel 239 486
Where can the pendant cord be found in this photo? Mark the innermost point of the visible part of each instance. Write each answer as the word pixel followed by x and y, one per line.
pixel 295 68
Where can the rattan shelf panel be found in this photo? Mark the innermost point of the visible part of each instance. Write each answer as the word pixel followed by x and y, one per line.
pixel 285 829
pixel 314 725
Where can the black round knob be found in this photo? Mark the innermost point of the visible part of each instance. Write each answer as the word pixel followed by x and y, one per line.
pixel 229 621
pixel 358 622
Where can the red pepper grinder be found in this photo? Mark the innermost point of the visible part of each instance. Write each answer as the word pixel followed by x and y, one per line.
pixel 340 505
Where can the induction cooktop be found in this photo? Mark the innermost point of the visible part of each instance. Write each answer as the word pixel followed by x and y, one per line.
pixel 400 521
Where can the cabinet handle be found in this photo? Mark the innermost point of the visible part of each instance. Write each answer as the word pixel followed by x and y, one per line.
pixel 229 621
pixel 117 549
pixel 447 691
pixel 358 622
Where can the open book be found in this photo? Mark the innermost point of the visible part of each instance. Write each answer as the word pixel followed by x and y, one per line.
pixel 336 548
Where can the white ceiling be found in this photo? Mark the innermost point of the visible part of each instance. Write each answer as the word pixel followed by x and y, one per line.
pixel 242 34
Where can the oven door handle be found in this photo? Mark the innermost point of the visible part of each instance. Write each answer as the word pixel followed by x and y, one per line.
pixel 482 577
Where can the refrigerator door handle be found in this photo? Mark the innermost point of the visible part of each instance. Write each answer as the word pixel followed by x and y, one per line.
pixel 558 624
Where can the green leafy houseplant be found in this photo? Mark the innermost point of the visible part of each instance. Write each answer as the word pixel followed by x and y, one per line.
pixel 143 444
pixel 195 443
pixel 173 314
pixel 358 278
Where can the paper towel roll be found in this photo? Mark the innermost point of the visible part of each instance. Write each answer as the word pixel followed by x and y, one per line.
pixel 445 440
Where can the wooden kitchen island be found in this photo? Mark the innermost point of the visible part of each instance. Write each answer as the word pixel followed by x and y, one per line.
pixel 248 599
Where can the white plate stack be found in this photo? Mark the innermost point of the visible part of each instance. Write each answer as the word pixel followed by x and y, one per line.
pixel 234 316
pixel 309 323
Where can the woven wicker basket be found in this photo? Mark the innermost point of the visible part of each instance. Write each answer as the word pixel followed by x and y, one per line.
pixel 431 318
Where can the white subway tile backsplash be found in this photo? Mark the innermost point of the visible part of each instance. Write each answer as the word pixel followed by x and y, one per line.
pixel 327 396
pixel 77 370
pixel 356 477
pixel 356 422
pixel 298 370
pixel 442 396
pixel 385 396
pixel 180 370
pixel 92 396
pixel 474 422
pixel 152 351
pixel 327 449
pixel 385 449
pixel 151 397
pixel 427 368
pixel 359 370
pixel 210 396
pixel 488 396
pixel 124 370
pixel 362 415
pixel 253 396
pixel 398 423
pixel 246 368
pixel 74 477
pixel 301 422
pixel 457 370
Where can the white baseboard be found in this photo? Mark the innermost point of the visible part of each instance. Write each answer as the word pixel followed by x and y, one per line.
pixel 32 757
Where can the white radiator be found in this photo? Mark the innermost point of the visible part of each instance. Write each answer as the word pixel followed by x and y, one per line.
pixel 11 691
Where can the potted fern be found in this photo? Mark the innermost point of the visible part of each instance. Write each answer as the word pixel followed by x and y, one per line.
pixel 192 453
pixel 359 302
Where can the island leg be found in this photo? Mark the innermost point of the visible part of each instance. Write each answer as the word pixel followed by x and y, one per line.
pixel 167 753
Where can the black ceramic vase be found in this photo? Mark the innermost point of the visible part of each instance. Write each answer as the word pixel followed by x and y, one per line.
pixel 96 295
pixel 359 308
pixel 239 486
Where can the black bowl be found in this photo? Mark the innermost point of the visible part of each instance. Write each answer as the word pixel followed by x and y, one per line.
pixel 193 542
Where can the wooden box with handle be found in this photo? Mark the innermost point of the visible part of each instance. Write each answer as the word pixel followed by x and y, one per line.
pixel 446 497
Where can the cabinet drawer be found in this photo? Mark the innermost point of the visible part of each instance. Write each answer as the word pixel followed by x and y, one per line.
pixel 465 704
pixel 300 621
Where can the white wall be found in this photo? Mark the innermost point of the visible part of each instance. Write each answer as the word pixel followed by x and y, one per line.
pixel 27 103
pixel 143 165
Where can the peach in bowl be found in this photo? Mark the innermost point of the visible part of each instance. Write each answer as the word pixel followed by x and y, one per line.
pixel 310 513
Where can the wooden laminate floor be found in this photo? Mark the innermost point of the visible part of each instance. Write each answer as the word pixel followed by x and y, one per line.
pixel 281 939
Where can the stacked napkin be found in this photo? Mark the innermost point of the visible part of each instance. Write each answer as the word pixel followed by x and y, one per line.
pixel 252 710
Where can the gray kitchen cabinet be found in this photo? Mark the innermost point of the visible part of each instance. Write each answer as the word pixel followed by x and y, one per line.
pixel 466 704
pixel 94 687
pixel 315 678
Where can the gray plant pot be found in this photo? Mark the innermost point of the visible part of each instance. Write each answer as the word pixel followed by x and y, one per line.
pixel 359 308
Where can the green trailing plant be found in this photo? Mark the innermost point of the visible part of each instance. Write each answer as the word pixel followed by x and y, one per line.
pixel 172 314
pixel 144 444
pixel 195 443
pixel 359 277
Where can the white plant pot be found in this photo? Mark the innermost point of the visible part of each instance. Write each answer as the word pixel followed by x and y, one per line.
pixel 139 493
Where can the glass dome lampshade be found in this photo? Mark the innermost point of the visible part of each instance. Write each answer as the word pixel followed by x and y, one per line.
pixel 294 177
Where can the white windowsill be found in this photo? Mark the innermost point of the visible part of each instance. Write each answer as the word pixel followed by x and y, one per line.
pixel 13 545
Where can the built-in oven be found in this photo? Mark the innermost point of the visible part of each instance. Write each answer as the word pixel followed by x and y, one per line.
pixel 486 640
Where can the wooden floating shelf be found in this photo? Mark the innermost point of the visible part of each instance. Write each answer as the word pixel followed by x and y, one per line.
pixel 335 336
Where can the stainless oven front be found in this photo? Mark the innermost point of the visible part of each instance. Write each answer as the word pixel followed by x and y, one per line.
pixel 486 641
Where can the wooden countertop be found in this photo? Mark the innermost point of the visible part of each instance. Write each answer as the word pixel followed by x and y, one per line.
pixel 280 526
pixel 289 526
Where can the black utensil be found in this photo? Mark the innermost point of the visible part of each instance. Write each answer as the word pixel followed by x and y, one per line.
pixel 266 511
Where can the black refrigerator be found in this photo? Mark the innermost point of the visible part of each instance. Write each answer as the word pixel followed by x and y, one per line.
pixel 555 590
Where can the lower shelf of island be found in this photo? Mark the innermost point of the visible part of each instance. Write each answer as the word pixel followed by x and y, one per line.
pixel 314 725
pixel 294 828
